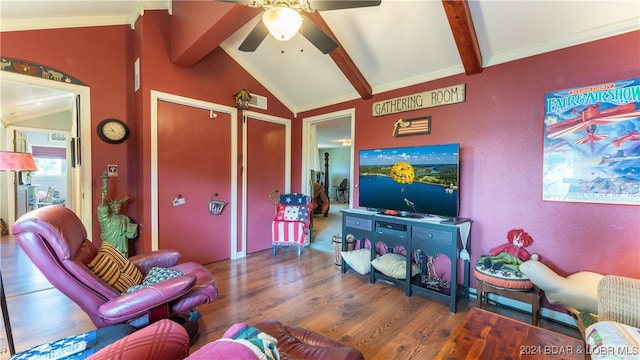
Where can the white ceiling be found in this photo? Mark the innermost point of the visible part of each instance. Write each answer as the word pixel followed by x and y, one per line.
pixel 397 44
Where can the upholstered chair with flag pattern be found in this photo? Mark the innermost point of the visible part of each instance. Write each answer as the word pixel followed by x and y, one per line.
pixel 291 226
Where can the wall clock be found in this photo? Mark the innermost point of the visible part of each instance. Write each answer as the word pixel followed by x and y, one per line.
pixel 113 131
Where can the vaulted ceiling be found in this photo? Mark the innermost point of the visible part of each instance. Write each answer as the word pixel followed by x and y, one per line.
pixel 396 44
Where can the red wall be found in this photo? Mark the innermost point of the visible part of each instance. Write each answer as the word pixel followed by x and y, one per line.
pixel 500 130
pixel 102 57
pixel 214 79
pixel 105 69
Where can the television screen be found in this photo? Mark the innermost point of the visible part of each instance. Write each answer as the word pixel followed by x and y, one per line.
pixel 411 180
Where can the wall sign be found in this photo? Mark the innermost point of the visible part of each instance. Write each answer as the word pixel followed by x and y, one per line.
pixel 592 144
pixel 415 126
pixel 443 96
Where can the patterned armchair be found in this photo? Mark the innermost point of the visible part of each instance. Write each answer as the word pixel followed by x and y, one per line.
pixel 616 333
pixel 291 226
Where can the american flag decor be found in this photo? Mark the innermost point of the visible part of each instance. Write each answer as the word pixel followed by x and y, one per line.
pixel 294 199
pixel 289 233
pixel 293 213
pixel 291 224
pixel 416 126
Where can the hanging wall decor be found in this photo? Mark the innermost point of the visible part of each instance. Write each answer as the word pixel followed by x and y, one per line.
pixel 24 67
pixel 216 206
pixel 592 144
pixel 415 126
pixel 242 97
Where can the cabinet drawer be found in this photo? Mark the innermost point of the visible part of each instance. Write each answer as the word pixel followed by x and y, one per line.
pixel 391 240
pixel 358 223
pixel 432 236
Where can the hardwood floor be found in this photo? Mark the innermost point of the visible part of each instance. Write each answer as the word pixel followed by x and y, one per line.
pixel 307 291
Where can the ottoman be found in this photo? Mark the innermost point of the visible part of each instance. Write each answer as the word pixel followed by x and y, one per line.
pixel 509 283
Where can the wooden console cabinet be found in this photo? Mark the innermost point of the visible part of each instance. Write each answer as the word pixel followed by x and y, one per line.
pixel 430 237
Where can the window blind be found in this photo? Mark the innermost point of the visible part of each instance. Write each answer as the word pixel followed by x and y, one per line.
pixel 49 152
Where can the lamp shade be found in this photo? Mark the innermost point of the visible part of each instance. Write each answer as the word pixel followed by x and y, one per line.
pixel 282 22
pixel 17 161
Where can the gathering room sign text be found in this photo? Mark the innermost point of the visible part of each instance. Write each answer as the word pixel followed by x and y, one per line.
pixel 443 96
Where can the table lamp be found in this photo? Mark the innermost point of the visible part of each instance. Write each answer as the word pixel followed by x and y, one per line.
pixel 12 161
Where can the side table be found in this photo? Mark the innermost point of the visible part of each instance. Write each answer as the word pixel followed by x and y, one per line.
pixel 486 335
pixel 532 296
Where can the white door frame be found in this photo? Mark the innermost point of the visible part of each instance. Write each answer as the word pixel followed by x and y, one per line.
pixel 80 180
pixel 307 123
pixel 287 165
pixel 181 100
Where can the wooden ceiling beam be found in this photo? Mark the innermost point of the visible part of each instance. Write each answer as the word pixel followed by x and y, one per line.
pixel 464 34
pixel 200 26
pixel 343 60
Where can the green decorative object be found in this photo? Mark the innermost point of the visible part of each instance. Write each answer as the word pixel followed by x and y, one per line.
pixel 116 228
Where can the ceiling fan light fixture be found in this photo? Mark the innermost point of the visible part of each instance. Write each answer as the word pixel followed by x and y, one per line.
pixel 282 22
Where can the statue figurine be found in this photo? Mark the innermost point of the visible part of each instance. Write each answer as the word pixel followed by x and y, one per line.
pixel 116 228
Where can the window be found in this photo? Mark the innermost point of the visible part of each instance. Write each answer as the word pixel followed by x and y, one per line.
pixel 51 167
pixel 51 161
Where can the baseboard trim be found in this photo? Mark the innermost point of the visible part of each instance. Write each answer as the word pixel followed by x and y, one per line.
pixel 547 314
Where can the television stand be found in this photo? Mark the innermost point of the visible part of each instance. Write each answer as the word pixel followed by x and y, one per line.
pixel 421 235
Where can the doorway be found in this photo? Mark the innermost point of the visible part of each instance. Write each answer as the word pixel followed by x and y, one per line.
pixel 52 154
pixel 329 136
pixel 312 128
pixel 79 192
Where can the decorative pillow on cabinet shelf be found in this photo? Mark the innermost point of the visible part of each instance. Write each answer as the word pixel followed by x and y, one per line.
pixel 394 265
pixel 359 260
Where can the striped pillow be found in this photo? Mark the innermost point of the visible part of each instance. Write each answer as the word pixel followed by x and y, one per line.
pixel 115 269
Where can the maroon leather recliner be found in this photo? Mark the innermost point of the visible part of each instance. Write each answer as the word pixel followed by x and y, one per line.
pixel 56 241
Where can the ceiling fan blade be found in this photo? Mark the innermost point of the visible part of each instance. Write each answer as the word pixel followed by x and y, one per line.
pixel 321 5
pixel 317 37
pixel 255 37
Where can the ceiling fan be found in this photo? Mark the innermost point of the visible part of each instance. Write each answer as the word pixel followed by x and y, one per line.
pixel 283 19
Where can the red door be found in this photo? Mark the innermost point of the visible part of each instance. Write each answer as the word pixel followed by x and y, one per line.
pixel 194 165
pixel 266 149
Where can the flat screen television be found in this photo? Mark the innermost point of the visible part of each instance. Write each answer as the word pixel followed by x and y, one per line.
pixel 411 181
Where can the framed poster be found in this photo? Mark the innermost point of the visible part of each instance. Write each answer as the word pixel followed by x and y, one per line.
pixel 592 144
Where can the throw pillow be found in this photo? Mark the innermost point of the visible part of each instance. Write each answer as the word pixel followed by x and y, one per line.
pixel 240 342
pixel 115 269
pixel 293 213
pixel 394 265
pixel 154 276
pixel 612 340
pixel 359 260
